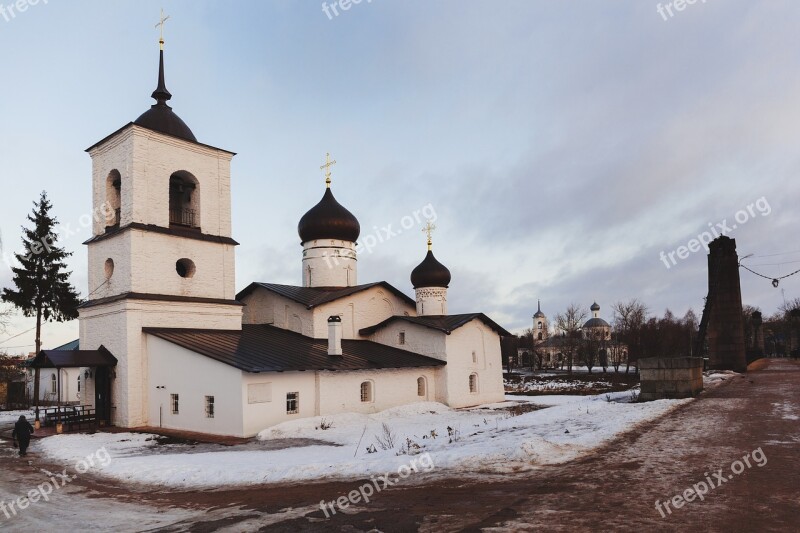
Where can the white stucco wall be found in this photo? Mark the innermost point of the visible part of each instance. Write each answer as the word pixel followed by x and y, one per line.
pixel 259 416
pixel 341 391
pixel 118 327
pixel 175 370
pixel 361 310
pixel 330 263
pixel 145 160
pixel 144 262
pixel 70 378
pixel 485 342
pixel 452 380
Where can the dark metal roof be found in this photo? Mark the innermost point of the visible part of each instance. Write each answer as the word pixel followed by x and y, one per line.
pixel 328 220
pixel 264 348
pixel 445 323
pixel 314 296
pixel 160 116
pixel 175 231
pixel 430 273
pixel 596 323
pixel 158 298
pixel 73 358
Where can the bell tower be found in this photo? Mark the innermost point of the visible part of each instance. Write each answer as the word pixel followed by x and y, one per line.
pixel 161 252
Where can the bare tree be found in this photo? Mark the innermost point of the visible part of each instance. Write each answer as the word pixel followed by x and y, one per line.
pixel 569 324
pixel 629 320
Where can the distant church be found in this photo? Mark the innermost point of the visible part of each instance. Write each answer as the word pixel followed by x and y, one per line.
pixel 166 342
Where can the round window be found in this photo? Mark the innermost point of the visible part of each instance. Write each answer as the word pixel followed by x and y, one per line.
pixel 185 268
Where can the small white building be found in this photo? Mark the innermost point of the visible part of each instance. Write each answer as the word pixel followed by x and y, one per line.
pixel 70 385
pixel 192 354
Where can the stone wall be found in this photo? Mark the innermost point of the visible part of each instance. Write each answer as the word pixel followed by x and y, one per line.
pixel 670 377
pixel 726 346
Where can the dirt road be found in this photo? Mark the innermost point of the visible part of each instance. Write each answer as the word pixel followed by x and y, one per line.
pixel 613 490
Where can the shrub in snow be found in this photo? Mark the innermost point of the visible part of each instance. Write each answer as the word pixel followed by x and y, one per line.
pixel 386 441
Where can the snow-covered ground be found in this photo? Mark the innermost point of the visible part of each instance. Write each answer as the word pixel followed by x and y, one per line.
pixel 9 417
pixel 556 385
pixel 714 378
pixel 486 440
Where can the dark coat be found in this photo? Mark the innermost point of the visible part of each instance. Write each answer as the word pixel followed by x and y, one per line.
pixel 22 430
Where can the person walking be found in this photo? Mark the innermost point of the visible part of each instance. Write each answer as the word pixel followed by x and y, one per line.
pixel 22 433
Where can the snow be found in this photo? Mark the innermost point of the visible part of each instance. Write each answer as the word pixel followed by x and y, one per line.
pixel 483 440
pixel 556 385
pixel 714 378
pixel 9 417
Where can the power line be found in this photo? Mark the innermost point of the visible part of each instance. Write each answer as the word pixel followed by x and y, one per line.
pixel 774 255
pixel 18 334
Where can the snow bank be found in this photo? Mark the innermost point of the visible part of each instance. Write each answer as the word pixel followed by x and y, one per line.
pixel 488 439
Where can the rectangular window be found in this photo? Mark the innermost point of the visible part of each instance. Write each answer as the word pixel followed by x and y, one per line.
pixel 173 398
pixel 209 407
pixel 292 403
pixel 259 393
pixel 366 391
pixel 402 337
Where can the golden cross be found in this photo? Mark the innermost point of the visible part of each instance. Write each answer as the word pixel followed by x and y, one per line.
pixel 327 168
pixel 429 227
pixel 161 25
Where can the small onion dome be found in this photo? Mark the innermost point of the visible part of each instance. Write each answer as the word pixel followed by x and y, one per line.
pixel 595 307
pixel 538 313
pixel 160 116
pixel 596 323
pixel 430 273
pixel 328 220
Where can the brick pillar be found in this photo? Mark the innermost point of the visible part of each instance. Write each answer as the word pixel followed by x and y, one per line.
pixel 726 345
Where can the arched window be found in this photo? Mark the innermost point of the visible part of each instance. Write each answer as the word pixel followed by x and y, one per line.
pixel 540 324
pixel 473 383
pixel 421 388
pixel 53 384
pixel 366 392
pixel 79 382
pixel 540 335
pixel 112 207
pixel 184 200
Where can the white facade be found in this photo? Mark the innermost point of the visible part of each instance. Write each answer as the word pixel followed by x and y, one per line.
pixel 245 404
pixel 140 264
pixel 431 300
pixel 330 263
pixel 72 385
pixel 358 311
pixel 162 256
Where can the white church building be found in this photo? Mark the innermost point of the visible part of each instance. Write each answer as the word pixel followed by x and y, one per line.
pixel 166 341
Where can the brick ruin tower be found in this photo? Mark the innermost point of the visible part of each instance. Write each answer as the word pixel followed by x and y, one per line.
pixel 725 325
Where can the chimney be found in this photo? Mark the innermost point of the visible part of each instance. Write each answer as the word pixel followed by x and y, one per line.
pixel 334 335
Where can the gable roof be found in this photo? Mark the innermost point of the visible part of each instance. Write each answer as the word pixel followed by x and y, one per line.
pixel 444 323
pixel 314 296
pixel 263 348
pixel 73 358
pixel 73 345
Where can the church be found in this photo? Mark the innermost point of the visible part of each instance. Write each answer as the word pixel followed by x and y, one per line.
pixel 165 341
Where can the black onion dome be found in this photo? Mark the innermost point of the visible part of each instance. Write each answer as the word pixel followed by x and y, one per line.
pixel 160 116
pixel 595 307
pixel 430 273
pixel 328 220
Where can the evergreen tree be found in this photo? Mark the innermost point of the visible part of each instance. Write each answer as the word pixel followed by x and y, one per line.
pixel 42 282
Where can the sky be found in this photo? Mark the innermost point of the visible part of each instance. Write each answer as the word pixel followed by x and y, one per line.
pixel 561 147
